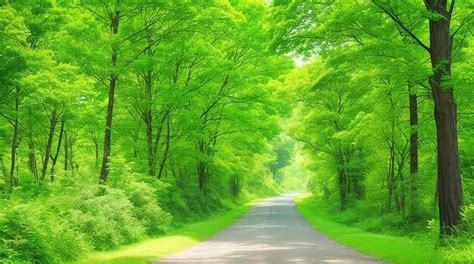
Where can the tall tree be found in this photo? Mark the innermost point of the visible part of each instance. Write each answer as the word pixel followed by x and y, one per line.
pixel 450 197
pixel 306 21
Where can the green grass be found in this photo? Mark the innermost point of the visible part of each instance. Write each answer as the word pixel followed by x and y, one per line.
pixel 393 249
pixel 175 241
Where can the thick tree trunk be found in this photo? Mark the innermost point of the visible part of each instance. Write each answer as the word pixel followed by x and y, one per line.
pixel 104 171
pixel 450 197
pixel 49 143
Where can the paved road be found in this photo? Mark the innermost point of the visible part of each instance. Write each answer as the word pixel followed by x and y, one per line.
pixel 271 232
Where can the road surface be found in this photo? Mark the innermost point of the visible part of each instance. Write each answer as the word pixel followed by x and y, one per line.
pixel 273 232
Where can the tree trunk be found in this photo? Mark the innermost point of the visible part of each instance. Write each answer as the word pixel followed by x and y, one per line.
pixel 54 158
pixel 71 143
pixel 450 197
pixel 167 148
pixel 400 192
pixel 104 171
pixel 390 176
pixel 13 179
pixel 149 141
pixel 66 151
pixel 32 156
pixel 201 165
pixel 234 185
pixel 96 148
pixel 201 169
pixel 49 143
pixel 342 181
pixel 32 165
pixel 413 154
pixel 148 118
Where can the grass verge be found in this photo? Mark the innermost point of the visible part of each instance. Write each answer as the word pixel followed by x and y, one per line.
pixel 393 249
pixel 175 241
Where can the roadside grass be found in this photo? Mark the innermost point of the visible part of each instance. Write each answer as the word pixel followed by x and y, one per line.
pixel 389 248
pixel 172 242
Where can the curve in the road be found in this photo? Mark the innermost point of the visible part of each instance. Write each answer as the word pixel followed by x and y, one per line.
pixel 271 232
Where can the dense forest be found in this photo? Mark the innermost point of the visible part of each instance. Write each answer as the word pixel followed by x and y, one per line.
pixel 121 120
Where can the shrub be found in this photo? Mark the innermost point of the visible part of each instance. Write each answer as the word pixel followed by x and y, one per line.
pixel 20 238
pixel 106 218
pixel 152 217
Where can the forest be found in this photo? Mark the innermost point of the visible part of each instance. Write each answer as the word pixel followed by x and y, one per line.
pixel 125 120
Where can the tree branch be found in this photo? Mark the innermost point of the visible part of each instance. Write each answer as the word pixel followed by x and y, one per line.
pixel 460 27
pixel 397 20
pixel 451 8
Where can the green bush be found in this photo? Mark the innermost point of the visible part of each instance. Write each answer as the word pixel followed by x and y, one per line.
pixel 145 208
pixel 175 203
pixel 53 223
pixel 66 242
pixel 107 218
pixel 34 233
pixel 20 238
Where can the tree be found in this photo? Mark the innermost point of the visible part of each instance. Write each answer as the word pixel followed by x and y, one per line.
pixel 306 21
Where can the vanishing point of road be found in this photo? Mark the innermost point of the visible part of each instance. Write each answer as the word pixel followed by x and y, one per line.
pixel 272 232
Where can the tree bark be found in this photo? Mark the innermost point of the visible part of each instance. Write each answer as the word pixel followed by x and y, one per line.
pixel 201 169
pixel 148 119
pixel 54 158
pixel 32 156
pixel 391 174
pixel 66 151
pixel 413 153
pixel 96 148
pixel 104 171
pixel 13 179
pixel 201 165
pixel 49 143
pixel 342 181
pixel 167 148
pixel 32 165
pixel 71 143
pixel 450 197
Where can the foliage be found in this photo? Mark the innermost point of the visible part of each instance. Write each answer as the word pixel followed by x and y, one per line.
pixel 188 88
pixel 367 112
pixel 204 109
